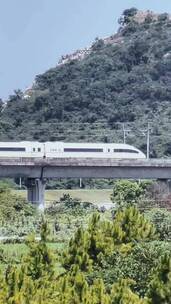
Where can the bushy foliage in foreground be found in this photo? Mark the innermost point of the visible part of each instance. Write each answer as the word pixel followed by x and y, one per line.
pixel 17 216
pixel 162 221
pixel 118 260
pixel 13 205
pixel 37 280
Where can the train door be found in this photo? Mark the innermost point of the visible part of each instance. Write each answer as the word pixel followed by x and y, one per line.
pixel 37 149
pixel 109 151
pixel 53 149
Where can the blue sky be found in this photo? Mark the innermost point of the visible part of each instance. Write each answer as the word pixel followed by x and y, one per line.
pixel 35 33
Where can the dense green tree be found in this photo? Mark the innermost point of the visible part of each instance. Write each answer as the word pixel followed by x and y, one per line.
pixel 126 192
pixel 128 15
pixel 137 265
pixel 161 219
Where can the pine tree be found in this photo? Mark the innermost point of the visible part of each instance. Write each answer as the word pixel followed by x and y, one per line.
pixel 98 294
pixel 100 234
pixel 130 226
pixel 77 252
pixel 18 287
pixel 34 281
pixel 103 237
pixel 3 289
pixel 72 288
pixel 40 260
pixel 86 246
pixel 160 287
pixel 122 294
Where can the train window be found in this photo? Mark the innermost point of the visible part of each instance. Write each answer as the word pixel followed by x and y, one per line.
pixel 108 150
pixel 125 151
pixel 12 149
pixel 83 150
pixel 39 149
pixel 34 149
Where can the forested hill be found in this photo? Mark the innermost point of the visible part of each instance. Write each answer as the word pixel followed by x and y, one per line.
pixel 125 78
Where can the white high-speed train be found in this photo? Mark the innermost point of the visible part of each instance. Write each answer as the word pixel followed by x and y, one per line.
pixel 68 150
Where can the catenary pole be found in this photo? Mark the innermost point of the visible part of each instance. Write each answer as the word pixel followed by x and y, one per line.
pixel 124 133
pixel 148 140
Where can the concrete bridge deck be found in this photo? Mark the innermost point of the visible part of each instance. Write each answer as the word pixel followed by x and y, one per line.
pixel 37 170
pixel 85 167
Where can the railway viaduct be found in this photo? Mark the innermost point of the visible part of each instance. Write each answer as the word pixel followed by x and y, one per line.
pixel 37 170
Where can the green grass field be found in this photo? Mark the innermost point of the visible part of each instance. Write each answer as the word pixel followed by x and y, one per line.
pixel 96 196
pixel 17 250
pixel 13 253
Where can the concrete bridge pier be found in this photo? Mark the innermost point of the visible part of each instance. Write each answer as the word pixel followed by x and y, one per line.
pixel 36 191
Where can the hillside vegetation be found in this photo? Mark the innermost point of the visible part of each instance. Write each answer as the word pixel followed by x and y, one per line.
pixel 125 78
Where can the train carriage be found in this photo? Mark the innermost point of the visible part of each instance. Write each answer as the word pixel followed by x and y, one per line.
pixel 69 150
